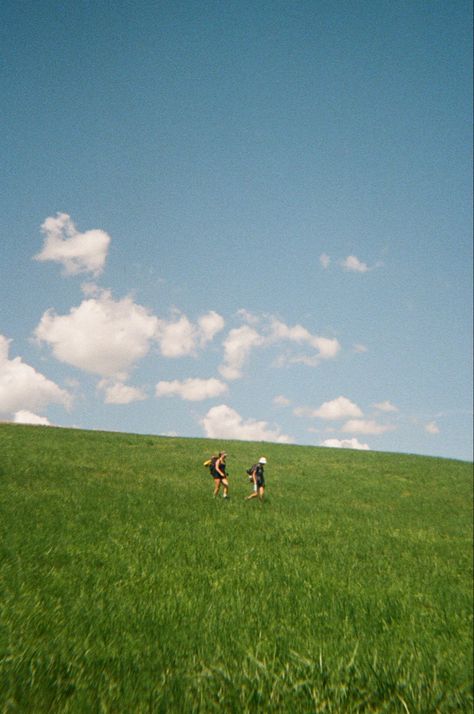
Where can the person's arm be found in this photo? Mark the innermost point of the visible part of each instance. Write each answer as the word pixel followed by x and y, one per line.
pixel 218 468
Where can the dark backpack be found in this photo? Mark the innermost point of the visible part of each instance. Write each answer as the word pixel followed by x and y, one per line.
pixel 251 469
pixel 211 463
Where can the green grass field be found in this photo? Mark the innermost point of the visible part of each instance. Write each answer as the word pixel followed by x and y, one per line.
pixel 125 587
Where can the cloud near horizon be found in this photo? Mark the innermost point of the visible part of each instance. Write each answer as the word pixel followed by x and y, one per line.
pixel 76 252
pixel 23 389
pixel 26 417
pixel 346 444
pixel 223 422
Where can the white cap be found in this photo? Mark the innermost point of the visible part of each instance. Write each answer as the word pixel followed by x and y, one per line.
pixel 262 460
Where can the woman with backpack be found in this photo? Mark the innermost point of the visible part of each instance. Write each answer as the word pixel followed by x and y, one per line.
pixel 258 478
pixel 219 475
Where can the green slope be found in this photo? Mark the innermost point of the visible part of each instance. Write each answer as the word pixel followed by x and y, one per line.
pixel 125 587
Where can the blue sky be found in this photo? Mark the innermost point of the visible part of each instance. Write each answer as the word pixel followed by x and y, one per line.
pixel 239 220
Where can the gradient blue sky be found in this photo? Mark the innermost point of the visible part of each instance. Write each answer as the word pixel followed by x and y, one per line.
pixel 270 199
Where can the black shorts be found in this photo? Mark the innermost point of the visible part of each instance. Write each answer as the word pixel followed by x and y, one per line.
pixel 218 476
pixel 260 482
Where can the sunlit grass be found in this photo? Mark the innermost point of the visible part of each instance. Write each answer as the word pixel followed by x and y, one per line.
pixel 125 587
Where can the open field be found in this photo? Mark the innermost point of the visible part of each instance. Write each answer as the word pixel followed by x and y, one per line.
pixel 125 587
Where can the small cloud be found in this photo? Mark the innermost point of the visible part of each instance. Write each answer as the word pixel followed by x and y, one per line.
pixel 432 428
pixel 77 252
pixel 354 265
pixel 360 349
pixel 361 426
pixel 223 422
pixel 25 417
pixel 346 444
pixel 281 401
pixel 193 390
pixel 119 393
pixel 385 406
pixel 325 260
pixel 340 408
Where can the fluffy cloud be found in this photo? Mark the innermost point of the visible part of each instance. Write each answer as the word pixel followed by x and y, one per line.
pixel 223 422
pixel 346 444
pixel 242 340
pixel 25 417
pixel 193 390
pixel 385 406
pixel 325 260
pixel 102 335
pixel 326 348
pixel 77 252
pixel 180 337
pixel 340 408
pixel 432 428
pixel 360 349
pixel 354 265
pixel 237 347
pixel 361 426
pixel 119 393
pixel 208 327
pixel 22 388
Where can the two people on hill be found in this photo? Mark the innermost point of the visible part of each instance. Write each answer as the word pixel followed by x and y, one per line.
pixel 217 467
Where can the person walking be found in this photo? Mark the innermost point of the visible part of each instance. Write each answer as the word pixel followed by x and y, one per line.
pixel 220 475
pixel 258 477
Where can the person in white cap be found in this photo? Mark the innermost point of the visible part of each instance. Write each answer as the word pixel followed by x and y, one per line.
pixel 258 478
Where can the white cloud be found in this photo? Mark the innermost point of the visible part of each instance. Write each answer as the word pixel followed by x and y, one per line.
pixel 325 260
pixel 209 325
pixel 241 341
pixel 340 408
pixel 237 347
pixel 360 349
pixel 281 401
pixel 119 393
pixel 77 252
pixel 385 406
pixel 223 422
pixel 25 417
pixel 432 428
pixel 193 390
pixel 102 335
pixel 179 338
pixel 361 426
pixel 353 264
pixel 326 347
pixel 22 388
pixel 346 444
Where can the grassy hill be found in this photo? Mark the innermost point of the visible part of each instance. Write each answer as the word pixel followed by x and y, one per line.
pixel 125 587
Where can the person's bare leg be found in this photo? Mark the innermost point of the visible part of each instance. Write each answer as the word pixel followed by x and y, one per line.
pixel 225 483
pixel 261 492
pixel 217 485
